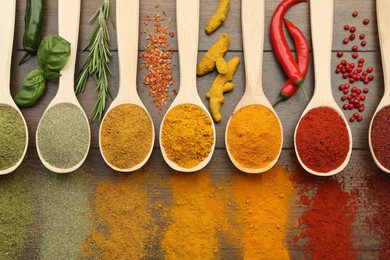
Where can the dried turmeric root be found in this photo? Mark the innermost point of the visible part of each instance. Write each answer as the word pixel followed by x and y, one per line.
pixel 218 17
pixel 214 57
pixel 221 85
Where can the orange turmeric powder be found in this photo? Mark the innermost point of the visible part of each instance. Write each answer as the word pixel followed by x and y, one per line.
pixel 254 136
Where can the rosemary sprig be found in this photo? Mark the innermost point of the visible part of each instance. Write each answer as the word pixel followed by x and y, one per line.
pixel 96 64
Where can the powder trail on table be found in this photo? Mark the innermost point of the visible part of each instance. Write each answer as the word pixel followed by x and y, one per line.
pixel 264 203
pixel 16 213
pixel 122 219
pixel 326 223
pixel 194 218
pixel 64 202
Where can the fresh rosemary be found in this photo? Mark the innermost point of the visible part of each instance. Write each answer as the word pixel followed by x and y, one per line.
pixel 96 64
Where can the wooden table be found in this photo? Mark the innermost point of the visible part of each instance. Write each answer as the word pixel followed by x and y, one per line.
pixel 273 78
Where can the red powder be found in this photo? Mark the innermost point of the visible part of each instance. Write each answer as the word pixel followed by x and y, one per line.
pixel 380 136
pixel 327 221
pixel 322 140
pixel 378 196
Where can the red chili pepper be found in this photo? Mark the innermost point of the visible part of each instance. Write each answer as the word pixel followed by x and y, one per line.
pixel 279 43
pixel 303 60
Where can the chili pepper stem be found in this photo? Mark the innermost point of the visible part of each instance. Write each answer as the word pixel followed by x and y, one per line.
pixel 299 83
pixel 25 57
pixel 281 97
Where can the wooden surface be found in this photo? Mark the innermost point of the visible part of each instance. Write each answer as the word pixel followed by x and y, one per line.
pixel 273 78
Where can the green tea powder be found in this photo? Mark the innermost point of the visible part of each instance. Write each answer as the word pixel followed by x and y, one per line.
pixel 63 136
pixel 12 137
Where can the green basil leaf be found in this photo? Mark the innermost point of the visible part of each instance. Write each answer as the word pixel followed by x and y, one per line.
pixel 53 53
pixel 28 96
pixel 33 78
pixel 52 75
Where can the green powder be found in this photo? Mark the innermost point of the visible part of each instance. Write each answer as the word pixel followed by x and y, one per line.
pixel 12 137
pixel 64 202
pixel 16 210
pixel 63 136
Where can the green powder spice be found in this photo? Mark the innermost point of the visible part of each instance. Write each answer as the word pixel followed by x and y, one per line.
pixel 64 206
pixel 16 210
pixel 63 136
pixel 12 137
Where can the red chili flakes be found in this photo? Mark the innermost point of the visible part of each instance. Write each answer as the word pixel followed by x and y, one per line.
pixel 157 60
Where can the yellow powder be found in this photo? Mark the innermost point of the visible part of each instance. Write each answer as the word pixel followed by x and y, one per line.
pixel 192 230
pixel 254 137
pixel 187 135
pixel 264 202
pixel 123 221
pixel 126 136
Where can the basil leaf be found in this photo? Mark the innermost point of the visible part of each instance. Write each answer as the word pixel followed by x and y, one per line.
pixel 53 53
pixel 52 75
pixel 28 96
pixel 33 78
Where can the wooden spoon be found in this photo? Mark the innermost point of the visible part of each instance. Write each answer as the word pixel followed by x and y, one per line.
pixel 187 12
pixel 252 15
pixel 7 25
pixel 321 15
pixel 68 27
pixel 382 7
pixel 127 15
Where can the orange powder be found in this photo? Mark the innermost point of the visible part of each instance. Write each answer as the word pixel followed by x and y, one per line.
pixel 263 201
pixel 123 220
pixel 192 229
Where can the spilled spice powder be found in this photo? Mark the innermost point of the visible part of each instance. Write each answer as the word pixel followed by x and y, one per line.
pixel 16 212
pixel 327 221
pixel 64 203
pixel 264 202
pixel 192 229
pixel 157 58
pixel 122 219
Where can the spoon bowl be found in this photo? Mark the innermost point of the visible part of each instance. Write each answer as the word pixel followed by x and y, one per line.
pixel 252 13
pixel 127 14
pixel 384 39
pixel 187 33
pixel 7 25
pixel 321 13
pixel 69 18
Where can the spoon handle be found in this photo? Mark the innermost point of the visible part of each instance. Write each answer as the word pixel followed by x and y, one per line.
pixel 382 7
pixel 252 15
pixel 127 12
pixel 321 18
pixel 7 22
pixel 188 36
pixel 68 28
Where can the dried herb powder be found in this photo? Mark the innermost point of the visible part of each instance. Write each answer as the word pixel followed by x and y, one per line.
pixel 187 135
pixel 126 136
pixel 63 136
pixel 380 136
pixel 12 137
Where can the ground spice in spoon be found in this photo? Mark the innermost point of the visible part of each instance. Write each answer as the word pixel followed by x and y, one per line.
pixel 12 137
pixel 187 135
pixel 322 140
pixel 380 136
pixel 126 136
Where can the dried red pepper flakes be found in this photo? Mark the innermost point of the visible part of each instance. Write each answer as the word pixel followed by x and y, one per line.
pixel 157 58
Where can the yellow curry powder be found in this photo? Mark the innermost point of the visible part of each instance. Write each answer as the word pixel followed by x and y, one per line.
pixel 126 136
pixel 187 135
pixel 264 203
pixel 195 217
pixel 254 136
pixel 123 222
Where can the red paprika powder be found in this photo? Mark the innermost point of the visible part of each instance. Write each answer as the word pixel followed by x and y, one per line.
pixel 380 136
pixel 322 140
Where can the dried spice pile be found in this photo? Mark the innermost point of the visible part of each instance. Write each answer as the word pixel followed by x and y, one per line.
pixel 264 203
pixel 157 58
pixel 64 204
pixel 326 223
